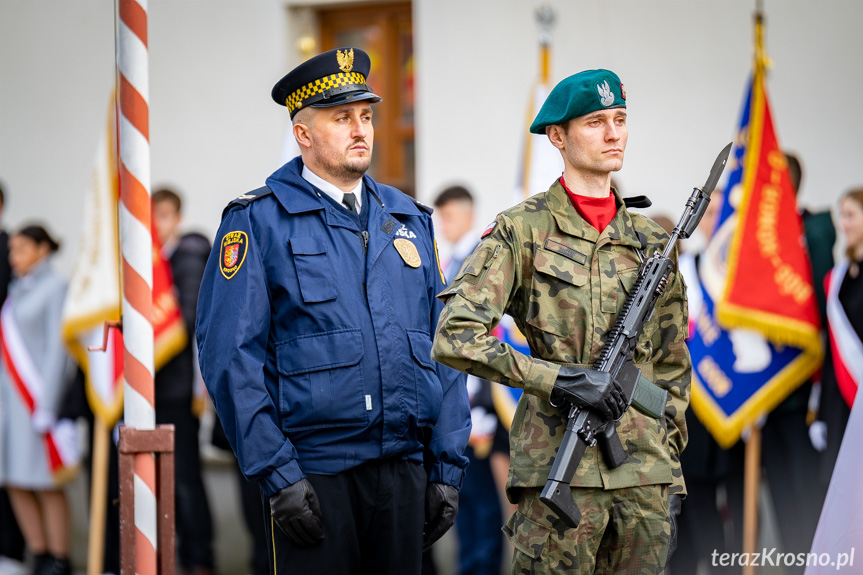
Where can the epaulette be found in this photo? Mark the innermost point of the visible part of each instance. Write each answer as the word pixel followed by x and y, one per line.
pixel 422 206
pixel 637 202
pixel 247 198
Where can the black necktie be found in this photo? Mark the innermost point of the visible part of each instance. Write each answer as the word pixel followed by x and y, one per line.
pixel 350 200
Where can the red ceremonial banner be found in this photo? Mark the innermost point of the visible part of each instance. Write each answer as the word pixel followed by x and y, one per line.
pixel 769 285
pixel 169 328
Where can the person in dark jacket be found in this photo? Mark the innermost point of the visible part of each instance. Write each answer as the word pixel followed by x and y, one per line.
pixel 175 387
pixel 314 335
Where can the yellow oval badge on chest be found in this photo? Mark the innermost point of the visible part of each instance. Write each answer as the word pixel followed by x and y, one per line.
pixel 408 251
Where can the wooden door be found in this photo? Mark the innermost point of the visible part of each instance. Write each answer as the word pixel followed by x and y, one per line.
pixel 385 32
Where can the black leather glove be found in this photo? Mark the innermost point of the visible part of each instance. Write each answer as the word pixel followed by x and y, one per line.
pixel 441 509
pixel 589 388
pixel 675 503
pixel 296 511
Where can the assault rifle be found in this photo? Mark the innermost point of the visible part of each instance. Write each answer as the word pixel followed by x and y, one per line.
pixel 584 426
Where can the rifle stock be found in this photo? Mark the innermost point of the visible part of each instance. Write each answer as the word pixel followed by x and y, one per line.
pixel 556 492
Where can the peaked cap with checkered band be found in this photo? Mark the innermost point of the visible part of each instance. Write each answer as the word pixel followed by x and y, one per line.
pixel 329 79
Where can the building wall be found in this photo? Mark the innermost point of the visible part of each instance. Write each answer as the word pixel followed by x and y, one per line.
pixel 214 130
pixel 215 133
pixel 685 65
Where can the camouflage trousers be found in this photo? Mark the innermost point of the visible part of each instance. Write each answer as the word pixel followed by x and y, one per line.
pixel 622 532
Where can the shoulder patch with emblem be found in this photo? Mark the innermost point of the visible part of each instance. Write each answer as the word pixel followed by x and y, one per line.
pixel 232 253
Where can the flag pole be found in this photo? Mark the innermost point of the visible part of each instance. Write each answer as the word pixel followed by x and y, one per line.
pixel 545 20
pixel 752 458
pixel 98 496
pixel 751 483
pixel 137 269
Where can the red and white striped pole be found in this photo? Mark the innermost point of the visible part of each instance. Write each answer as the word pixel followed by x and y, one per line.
pixel 137 246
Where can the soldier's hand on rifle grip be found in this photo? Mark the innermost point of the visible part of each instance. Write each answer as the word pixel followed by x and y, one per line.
pixel 589 388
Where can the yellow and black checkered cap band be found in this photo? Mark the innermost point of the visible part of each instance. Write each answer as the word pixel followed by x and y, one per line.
pixel 321 86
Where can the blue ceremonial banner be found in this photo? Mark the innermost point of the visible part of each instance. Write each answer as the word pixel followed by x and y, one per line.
pixel 742 369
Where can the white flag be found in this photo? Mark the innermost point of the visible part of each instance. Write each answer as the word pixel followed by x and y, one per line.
pixel 541 163
pixel 93 296
pixel 840 529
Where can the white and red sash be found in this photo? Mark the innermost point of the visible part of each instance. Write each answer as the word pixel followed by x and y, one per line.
pixel 847 349
pixel 61 438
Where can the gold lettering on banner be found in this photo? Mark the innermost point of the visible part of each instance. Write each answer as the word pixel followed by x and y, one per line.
pixel 792 283
pixel 714 377
pixel 777 162
pixel 767 222
pixel 787 280
pixel 707 328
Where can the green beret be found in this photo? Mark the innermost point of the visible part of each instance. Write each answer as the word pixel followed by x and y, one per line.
pixel 578 95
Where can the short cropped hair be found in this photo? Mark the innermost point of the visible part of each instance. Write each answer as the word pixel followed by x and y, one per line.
pixel 453 194
pixel 168 195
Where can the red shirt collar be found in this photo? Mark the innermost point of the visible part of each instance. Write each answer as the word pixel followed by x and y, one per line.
pixel 598 212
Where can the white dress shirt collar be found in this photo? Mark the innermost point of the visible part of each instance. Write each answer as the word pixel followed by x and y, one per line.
pixel 331 190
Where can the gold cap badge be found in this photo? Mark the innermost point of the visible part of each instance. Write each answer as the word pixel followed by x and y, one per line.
pixel 345 59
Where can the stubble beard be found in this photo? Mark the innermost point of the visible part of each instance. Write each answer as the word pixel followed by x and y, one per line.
pixel 350 169
pixel 357 167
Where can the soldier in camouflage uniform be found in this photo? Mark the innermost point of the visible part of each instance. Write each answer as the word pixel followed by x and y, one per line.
pixel 564 282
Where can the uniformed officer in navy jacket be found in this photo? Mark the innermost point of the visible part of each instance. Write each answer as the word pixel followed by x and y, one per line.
pixel 315 320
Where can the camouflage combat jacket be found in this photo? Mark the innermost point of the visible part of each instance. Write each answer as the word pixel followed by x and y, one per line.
pixel 564 285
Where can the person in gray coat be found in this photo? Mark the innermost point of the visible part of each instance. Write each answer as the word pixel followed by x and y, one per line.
pixel 36 450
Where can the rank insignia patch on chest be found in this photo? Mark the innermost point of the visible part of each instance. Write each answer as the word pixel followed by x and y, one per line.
pixel 408 251
pixel 233 253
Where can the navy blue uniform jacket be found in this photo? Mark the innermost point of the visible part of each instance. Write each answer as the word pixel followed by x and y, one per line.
pixel 316 348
